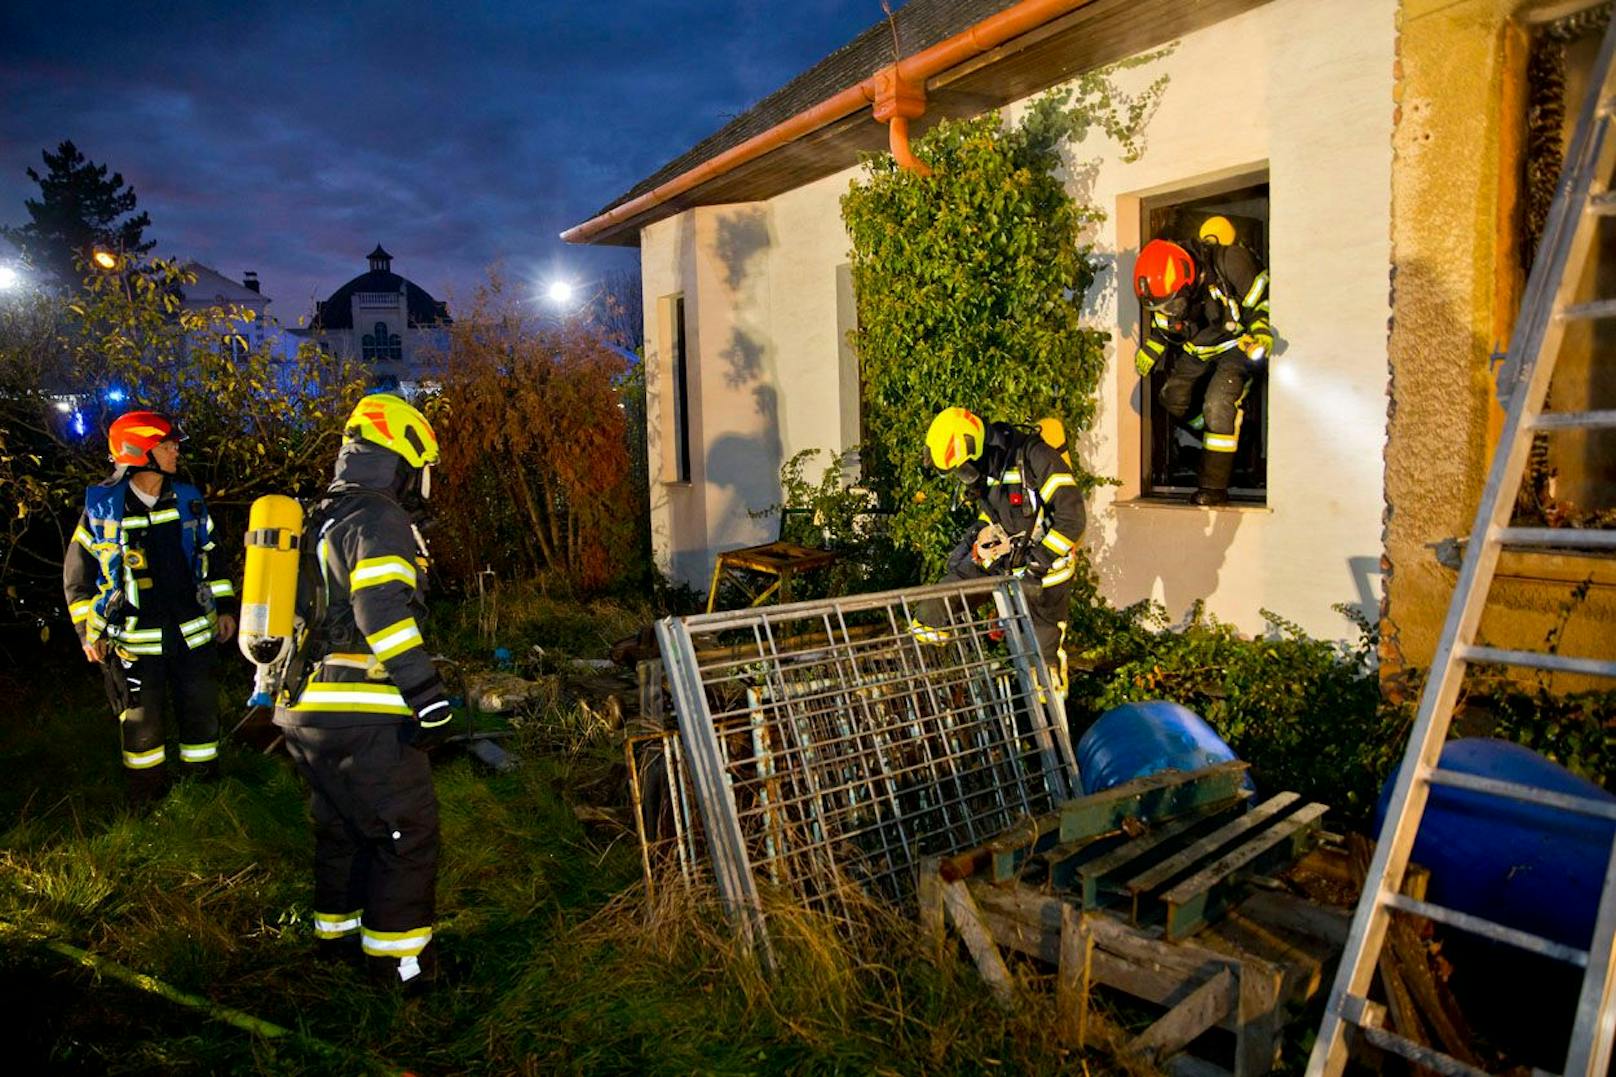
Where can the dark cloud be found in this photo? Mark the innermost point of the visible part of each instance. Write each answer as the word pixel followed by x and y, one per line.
pixel 290 138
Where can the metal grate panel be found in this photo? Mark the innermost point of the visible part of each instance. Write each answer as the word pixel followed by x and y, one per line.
pixel 829 750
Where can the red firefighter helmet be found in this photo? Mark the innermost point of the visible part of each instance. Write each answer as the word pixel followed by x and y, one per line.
pixel 1164 269
pixel 135 434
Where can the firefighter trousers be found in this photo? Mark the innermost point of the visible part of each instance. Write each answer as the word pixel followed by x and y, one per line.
pixel 1213 391
pixel 137 686
pixel 375 842
pixel 1049 607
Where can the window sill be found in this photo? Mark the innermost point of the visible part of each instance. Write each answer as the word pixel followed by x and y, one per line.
pixel 1179 505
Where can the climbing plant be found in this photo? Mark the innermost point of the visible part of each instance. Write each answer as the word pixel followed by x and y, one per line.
pixel 970 283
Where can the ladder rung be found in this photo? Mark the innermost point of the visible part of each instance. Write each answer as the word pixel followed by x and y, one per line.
pixel 1572 538
pixel 1558 663
pixel 1599 809
pixel 1599 308
pixel 1603 204
pixel 1475 925
pixel 1574 420
pixel 1429 1058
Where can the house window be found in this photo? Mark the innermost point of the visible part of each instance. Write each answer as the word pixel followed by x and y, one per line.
pixel 679 383
pixel 380 345
pixel 1170 451
pixel 850 372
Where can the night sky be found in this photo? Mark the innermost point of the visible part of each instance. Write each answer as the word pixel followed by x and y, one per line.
pixel 290 138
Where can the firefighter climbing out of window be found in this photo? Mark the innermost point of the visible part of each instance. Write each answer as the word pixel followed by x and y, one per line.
pixel 1030 516
pixel 147 602
pixel 1205 317
pixel 364 702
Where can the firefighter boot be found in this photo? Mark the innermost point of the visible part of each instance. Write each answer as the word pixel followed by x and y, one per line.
pixel 145 787
pixel 340 951
pixel 413 975
pixel 1217 468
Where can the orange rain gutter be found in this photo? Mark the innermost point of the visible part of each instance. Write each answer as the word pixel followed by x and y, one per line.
pixel 898 94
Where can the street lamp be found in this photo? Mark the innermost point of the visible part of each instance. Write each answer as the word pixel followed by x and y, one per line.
pixel 104 258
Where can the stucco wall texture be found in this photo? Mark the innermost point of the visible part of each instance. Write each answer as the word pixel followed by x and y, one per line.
pixel 1461 65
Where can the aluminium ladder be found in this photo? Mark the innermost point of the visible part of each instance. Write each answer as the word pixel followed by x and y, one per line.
pixel 1583 197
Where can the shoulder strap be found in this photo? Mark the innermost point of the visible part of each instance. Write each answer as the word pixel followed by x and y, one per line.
pixel 106 502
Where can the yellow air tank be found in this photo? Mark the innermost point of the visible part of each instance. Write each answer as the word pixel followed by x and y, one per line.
pixel 269 592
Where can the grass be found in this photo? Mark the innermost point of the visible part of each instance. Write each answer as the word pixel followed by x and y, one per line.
pixel 566 967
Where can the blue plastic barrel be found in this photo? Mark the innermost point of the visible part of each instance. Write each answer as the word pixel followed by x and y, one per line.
pixel 1137 740
pixel 1523 865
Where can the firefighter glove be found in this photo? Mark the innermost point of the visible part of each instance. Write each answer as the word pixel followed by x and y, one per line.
pixel 1144 362
pixel 433 725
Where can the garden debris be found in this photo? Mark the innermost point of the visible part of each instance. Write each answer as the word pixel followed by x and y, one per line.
pixel 1422 1008
pixel 497 692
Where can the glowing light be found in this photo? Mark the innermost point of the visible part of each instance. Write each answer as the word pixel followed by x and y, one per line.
pixel 9 278
pixel 559 292
pixel 63 406
pixel 78 425
pixel 115 396
pixel 105 259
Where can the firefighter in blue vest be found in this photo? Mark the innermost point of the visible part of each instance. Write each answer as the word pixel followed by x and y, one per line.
pixel 359 724
pixel 147 603
pixel 1030 516
pixel 1205 316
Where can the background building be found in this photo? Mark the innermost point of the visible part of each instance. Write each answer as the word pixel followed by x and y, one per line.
pixel 390 323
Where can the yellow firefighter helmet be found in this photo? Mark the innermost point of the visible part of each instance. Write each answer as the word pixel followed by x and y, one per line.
pixel 393 423
pixel 954 437
pixel 1219 230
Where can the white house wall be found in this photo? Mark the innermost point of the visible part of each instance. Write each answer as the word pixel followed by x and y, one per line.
pixel 1303 87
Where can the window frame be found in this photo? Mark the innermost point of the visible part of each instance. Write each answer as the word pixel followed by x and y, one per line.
pixel 1144 486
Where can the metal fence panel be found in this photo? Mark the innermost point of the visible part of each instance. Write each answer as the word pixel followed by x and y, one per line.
pixel 829 750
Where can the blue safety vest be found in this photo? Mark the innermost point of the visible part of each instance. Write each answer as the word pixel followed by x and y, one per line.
pixel 110 528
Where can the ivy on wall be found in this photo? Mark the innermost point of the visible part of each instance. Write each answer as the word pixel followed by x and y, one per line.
pixel 970 284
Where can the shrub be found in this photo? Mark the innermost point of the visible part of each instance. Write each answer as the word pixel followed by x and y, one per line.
pixel 535 475
pixel 970 284
pixel 832 513
pixel 1305 713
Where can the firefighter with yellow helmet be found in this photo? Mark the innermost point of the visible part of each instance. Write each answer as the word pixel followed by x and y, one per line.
pixel 370 701
pixel 1029 518
pixel 147 603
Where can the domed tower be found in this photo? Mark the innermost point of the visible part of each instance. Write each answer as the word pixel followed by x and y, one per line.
pixel 390 323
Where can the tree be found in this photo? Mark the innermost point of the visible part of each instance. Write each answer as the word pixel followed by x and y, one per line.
pixel 80 208
pixel 256 423
pixel 533 417
pixel 619 309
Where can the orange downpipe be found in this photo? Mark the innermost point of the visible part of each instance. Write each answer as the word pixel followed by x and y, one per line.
pixel 896 93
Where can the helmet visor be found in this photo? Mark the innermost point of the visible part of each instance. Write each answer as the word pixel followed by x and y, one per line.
pixel 967 473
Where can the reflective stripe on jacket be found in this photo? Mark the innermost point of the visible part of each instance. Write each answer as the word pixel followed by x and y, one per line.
pixel 102 580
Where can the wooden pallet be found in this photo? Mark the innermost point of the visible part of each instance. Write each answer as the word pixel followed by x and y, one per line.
pixel 1160 889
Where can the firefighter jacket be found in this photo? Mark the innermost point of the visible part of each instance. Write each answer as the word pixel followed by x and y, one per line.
pixel 116 577
pixel 1027 488
pixel 1229 302
pixel 369 663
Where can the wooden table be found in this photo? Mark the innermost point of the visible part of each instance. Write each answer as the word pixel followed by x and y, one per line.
pixel 782 561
